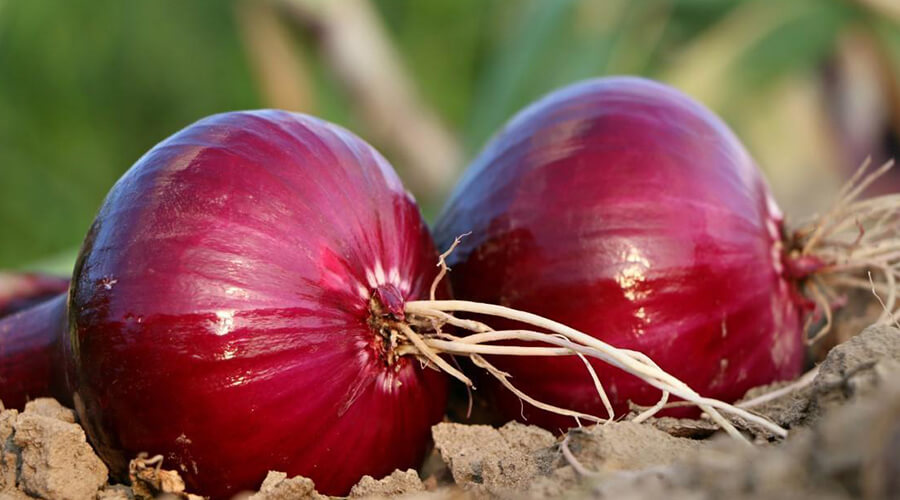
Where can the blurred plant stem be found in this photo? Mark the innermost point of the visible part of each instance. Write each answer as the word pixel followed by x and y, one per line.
pixel 355 46
pixel 279 68
pixel 705 66
pixel 890 8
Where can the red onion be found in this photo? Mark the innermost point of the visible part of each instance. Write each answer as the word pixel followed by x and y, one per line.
pixel 624 209
pixel 20 291
pixel 229 305
pixel 31 353
pixel 32 323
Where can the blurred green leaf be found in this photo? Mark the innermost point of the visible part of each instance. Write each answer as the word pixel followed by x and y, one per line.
pixel 86 87
pixel 507 71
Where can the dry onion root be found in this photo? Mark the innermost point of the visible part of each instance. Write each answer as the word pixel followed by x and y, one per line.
pixel 425 339
pixel 837 248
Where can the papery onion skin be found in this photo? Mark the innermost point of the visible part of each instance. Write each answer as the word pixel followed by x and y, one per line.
pixel 625 209
pixel 220 304
pixel 19 291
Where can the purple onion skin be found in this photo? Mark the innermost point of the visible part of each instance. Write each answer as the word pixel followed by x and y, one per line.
pixel 31 353
pixel 625 209
pixel 220 305
pixel 19 291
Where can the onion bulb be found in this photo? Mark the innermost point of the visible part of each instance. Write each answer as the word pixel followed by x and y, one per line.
pixel 229 303
pixel 628 211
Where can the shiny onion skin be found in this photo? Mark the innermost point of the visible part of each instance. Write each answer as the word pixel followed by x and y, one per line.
pixel 625 209
pixel 220 310
pixel 31 353
pixel 19 291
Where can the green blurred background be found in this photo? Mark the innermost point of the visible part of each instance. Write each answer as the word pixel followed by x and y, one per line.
pixel 86 87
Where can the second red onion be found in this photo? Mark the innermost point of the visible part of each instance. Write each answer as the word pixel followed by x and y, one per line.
pixel 626 210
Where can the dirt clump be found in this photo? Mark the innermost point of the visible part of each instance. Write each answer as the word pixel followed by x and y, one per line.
pixel 49 407
pixel 14 495
pixel 628 446
pixel 854 368
pixel 850 370
pixel 850 453
pixel 277 486
pixel 8 453
pixel 489 461
pixel 46 455
pixel 398 483
pixel 608 450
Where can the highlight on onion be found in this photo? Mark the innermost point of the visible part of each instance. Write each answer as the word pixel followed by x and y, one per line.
pixel 624 209
pixel 230 309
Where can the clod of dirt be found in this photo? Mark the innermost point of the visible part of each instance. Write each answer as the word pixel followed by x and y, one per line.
pixel 398 483
pixel 854 368
pixel 435 471
pixel 613 450
pixel 495 461
pixel 786 410
pixel 852 452
pixel 14 495
pixel 56 460
pixel 628 446
pixel 49 407
pixel 277 486
pixel 858 446
pixel 8 454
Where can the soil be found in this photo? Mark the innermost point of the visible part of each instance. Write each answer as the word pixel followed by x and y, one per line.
pixel 844 442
